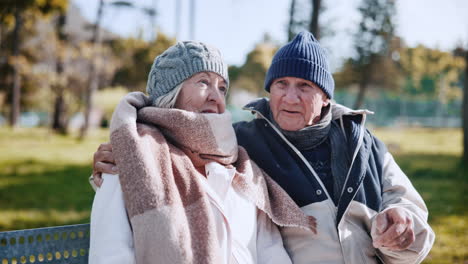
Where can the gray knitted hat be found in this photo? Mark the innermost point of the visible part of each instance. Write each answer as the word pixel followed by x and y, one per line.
pixel 179 63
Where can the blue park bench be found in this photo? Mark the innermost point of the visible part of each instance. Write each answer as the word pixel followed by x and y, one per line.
pixel 59 244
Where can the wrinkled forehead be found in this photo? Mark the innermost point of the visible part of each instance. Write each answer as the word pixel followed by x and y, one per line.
pixel 296 80
pixel 210 75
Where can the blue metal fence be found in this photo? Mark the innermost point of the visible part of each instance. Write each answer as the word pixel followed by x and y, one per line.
pixel 59 244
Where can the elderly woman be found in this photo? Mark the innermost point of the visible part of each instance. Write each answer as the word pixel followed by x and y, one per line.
pixel 186 192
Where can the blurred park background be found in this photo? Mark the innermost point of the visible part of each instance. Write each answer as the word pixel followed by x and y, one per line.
pixel 64 65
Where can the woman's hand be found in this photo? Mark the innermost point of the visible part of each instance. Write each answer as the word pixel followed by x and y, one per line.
pixel 104 162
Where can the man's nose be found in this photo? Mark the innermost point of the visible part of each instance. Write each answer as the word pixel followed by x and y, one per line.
pixel 291 95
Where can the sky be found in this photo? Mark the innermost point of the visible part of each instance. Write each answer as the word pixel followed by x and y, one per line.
pixel 235 26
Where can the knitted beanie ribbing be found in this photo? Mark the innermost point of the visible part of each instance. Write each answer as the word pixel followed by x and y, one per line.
pixel 304 58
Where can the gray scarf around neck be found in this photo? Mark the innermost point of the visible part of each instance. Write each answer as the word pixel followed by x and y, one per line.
pixel 311 136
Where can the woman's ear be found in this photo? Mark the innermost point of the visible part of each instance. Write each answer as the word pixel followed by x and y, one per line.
pixel 326 102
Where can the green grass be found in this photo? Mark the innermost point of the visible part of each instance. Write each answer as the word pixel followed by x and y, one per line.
pixel 431 159
pixel 422 140
pixel 43 181
pixel 442 183
pixel 43 178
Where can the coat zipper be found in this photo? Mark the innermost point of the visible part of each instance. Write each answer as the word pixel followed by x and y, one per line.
pixel 360 140
pixel 299 154
pixel 358 146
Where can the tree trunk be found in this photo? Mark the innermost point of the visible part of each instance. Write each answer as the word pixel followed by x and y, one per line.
pixel 314 27
pixel 93 75
pixel 16 87
pixel 59 123
pixel 361 95
pixel 292 13
pixel 363 84
pixel 465 112
pixel 2 39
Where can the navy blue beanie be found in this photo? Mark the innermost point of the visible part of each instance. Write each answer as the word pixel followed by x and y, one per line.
pixel 302 58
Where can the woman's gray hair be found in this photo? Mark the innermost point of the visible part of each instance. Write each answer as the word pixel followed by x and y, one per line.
pixel 168 100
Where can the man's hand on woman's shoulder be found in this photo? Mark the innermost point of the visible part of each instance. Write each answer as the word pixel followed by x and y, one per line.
pixel 103 162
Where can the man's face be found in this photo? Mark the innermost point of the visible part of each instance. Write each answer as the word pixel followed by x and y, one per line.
pixel 296 103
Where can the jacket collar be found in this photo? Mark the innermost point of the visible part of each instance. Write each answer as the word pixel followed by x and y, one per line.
pixel 259 105
pixel 339 111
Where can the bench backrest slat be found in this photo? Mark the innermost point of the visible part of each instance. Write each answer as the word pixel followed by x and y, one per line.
pixel 59 244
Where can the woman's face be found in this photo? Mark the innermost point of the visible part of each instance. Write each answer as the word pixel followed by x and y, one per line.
pixel 204 92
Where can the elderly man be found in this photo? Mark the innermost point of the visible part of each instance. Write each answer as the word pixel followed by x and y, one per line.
pixel 323 156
